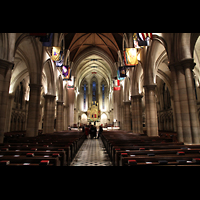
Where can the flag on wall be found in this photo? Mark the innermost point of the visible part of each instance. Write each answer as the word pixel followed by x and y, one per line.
pixel 66 72
pixel 121 73
pixel 142 39
pixel 116 84
pixel 130 57
pixel 70 84
pixel 56 53
pixel 60 62
pixel 46 41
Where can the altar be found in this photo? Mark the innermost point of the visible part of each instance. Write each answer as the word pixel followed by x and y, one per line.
pixel 93 113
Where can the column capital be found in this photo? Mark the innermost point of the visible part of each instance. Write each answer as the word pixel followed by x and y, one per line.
pixel 186 63
pixel 59 102
pixel 127 102
pixel 5 66
pixel 49 96
pixel 136 96
pixel 152 86
pixel 33 85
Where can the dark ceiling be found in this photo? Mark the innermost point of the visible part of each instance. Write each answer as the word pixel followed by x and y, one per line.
pixel 109 42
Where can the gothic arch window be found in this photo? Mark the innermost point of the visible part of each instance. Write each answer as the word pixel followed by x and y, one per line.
pixel 93 92
pixel 84 96
pixel 103 96
pixel 166 97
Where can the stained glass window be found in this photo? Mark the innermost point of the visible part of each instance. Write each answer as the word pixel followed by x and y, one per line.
pixel 103 95
pixel 93 92
pixel 84 96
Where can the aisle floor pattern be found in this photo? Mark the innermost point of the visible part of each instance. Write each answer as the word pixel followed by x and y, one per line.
pixel 92 153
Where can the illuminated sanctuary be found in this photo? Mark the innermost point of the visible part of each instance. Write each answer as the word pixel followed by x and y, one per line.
pixel 138 82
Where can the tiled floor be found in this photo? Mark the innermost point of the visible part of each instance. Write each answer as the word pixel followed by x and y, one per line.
pixel 92 153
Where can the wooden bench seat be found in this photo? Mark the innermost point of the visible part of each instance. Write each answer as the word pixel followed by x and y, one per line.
pixel 164 147
pixel 151 153
pixel 40 148
pixel 53 161
pixel 66 143
pixel 60 154
pixel 188 159
pixel 126 149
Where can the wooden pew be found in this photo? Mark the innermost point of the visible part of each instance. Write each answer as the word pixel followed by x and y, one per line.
pixel 140 148
pixel 46 154
pixel 34 161
pixel 166 159
pixel 163 152
pixel 67 142
pixel 148 148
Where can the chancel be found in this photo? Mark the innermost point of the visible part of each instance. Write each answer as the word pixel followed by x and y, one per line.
pixel 140 92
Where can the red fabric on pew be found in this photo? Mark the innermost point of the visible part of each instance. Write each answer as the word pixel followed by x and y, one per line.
pixel 44 162
pixel 56 155
pixel 124 154
pixel 180 153
pixel 4 162
pixel 34 149
pixel 132 162
pixel 30 154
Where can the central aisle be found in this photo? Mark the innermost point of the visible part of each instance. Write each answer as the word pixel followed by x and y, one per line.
pixel 92 153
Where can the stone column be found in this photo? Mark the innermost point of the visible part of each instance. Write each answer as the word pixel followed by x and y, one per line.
pixel 127 116
pixel 116 106
pixel 134 118
pixel 177 108
pixel 49 113
pixel 9 113
pixel 151 110
pixel 60 116
pixel 137 113
pixel 188 65
pixel 187 122
pixel 33 110
pixel 5 75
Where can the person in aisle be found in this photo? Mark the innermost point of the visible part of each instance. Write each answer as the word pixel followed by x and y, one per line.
pixel 87 132
pixel 100 131
pixel 93 132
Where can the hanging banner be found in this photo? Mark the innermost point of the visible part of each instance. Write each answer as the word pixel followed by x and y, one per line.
pixel 116 84
pixel 56 53
pixel 121 73
pixel 141 39
pixel 60 62
pixel 46 41
pixel 71 83
pixel 66 72
pixel 130 57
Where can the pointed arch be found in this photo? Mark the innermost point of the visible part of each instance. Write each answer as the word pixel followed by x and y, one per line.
pixel 49 76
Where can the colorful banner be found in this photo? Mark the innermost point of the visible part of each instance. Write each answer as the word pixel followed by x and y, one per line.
pixel 66 72
pixel 116 84
pixel 60 62
pixel 141 39
pixel 46 41
pixel 121 73
pixel 130 57
pixel 56 53
pixel 70 83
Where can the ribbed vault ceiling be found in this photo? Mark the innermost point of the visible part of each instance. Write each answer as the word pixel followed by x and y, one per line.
pixel 109 42
pixel 93 65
